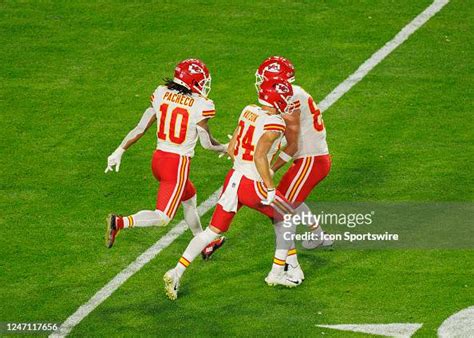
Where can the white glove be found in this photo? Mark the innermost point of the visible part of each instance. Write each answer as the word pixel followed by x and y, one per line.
pixel 226 146
pixel 270 197
pixel 114 160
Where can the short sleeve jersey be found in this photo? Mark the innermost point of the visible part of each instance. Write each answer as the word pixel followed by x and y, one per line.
pixel 177 116
pixel 312 136
pixel 253 123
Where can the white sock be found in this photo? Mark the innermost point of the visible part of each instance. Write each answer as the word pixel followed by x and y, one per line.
pixel 282 246
pixel 197 244
pixel 279 259
pixel 146 218
pixel 191 215
pixel 292 258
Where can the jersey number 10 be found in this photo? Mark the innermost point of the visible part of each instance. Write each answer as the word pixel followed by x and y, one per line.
pixel 175 136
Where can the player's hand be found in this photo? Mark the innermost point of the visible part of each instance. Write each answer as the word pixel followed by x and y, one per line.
pixel 114 160
pixel 271 193
pixel 226 146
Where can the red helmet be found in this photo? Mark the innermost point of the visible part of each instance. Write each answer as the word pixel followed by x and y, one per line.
pixel 194 75
pixel 276 93
pixel 275 66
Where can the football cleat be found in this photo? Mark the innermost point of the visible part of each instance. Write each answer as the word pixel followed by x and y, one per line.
pixel 171 280
pixel 317 243
pixel 212 247
pixel 112 231
pixel 295 273
pixel 282 279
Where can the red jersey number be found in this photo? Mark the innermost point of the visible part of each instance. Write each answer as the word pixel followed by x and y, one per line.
pixel 245 142
pixel 317 118
pixel 176 135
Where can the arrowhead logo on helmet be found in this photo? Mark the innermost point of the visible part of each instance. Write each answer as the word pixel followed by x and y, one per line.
pixel 276 93
pixel 273 67
pixel 195 69
pixel 282 88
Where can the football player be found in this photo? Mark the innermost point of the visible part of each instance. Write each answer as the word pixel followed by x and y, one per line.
pixel 182 110
pixel 250 183
pixel 305 135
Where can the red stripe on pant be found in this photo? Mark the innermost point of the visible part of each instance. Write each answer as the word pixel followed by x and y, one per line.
pixel 317 172
pixel 172 171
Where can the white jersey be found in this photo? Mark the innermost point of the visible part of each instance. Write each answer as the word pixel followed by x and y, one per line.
pixel 177 116
pixel 253 123
pixel 312 135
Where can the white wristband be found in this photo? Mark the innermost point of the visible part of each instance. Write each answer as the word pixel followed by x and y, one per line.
pixel 284 156
pixel 119 151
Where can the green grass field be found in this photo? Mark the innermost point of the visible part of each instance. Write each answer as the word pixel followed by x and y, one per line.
pixel 76 76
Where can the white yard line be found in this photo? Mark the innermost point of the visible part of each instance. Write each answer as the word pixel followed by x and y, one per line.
pixel 382 53
pixel 460 324
pixel 396 330
pixel 104 293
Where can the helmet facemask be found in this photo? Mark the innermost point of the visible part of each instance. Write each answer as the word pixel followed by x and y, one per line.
pixel 205 85
pixel 258 80
pixel 290 106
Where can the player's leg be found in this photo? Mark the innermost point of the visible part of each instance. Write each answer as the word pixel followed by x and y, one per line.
pixel 296 185
pixel 219 223
pixel 302 184
pixel 286 185
pixel 252 195
pixel 289 178
pixel 217 243
pixel 191 216
pixel 189 202
pixel 172 171
pixel 319 169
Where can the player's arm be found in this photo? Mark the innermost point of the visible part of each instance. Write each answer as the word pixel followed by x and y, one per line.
pixel 261 162
pixel 207 140
pixel 232 142
pixel 291 134
pixel 148 118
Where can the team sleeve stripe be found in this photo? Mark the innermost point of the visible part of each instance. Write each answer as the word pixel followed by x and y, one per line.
pixel 209 113
pixel 275 127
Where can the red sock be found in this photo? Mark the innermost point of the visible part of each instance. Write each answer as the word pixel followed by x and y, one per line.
pixel 119 222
